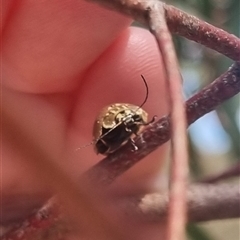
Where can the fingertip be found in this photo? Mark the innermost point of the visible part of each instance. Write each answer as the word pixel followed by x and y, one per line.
pixel 51 43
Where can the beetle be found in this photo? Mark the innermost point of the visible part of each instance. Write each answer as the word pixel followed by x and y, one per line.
pixel 117 124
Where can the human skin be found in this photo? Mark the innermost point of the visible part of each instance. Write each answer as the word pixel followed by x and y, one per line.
pixel 62 62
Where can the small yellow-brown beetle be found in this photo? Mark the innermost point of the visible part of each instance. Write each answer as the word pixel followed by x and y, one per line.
pixel 116 125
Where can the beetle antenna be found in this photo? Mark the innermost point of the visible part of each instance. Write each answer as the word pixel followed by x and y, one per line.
pixel 146 97
pixel 86 145
pixel 91 143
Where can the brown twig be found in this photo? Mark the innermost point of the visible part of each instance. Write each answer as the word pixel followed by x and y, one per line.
pixel 48 221
pixel 180 23
pixel 205 203
pixel 202 32
pixel 179 150
pixel 223 88
pixel 217 92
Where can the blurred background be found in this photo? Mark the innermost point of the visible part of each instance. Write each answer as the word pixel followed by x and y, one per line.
pixel 215 138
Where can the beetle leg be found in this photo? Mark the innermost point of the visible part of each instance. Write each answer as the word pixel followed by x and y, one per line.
pixel 128 129
pixel 141 139
pixel 135 148
pixel 151 121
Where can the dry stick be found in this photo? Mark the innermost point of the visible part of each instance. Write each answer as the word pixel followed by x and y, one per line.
pixel 223 88
pixel 228 84
pixel 202 32
pixel 180 23
pixel 205 203
pixel 179 162
pixel 49 221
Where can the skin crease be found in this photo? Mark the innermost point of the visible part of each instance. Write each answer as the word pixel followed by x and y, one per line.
pixel 62 67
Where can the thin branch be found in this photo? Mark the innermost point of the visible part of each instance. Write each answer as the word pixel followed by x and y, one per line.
pixel 179 23
pixel 48 222
pixel 202 32
pixel 223 88
pixel 205 203
pixel 179 150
